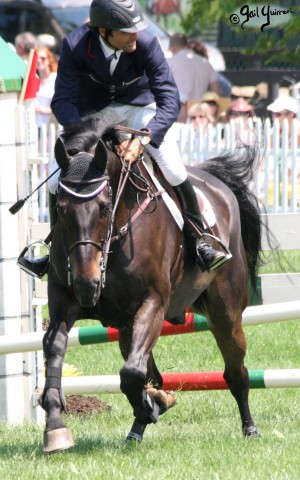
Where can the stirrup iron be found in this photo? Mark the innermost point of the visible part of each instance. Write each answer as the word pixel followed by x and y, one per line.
pixel 23 253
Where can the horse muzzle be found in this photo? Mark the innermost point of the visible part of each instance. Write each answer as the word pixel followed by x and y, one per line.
pixel 87 291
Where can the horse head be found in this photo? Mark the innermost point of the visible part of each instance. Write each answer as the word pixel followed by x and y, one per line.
pixel 84 207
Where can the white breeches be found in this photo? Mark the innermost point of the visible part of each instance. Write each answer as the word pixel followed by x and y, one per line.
pixel 167 156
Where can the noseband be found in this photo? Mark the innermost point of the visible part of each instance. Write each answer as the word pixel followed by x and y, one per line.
pixel 99 246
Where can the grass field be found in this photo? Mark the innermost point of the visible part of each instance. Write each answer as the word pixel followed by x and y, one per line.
pixel 198 439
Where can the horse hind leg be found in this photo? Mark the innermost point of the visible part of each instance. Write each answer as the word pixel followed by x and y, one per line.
pixel 57 436
pixel 232 344
pixel 240 390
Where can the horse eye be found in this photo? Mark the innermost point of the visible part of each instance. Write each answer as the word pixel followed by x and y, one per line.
pixel 59 209
pixel 104 210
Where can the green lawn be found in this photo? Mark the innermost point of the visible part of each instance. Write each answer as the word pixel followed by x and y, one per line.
pixel 199 439
pixel 284 262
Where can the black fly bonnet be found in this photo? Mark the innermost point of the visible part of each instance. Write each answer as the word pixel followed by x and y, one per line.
pixel 82 178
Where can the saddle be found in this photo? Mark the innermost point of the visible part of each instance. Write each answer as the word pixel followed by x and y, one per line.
pixel 170 197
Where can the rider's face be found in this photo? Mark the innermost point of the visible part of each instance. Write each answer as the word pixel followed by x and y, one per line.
pixel 121 40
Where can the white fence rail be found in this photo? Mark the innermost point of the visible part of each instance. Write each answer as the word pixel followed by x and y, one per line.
pixel 277 183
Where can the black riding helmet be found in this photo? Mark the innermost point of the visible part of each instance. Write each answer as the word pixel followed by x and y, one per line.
pixel 122 15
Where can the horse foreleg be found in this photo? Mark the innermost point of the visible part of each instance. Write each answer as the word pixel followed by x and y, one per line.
pixel 56 436
pixel 136 348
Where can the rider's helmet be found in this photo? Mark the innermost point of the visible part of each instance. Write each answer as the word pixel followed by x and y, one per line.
pixel 122 15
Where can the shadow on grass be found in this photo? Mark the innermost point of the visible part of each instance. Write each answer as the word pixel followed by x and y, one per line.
pixel 84 445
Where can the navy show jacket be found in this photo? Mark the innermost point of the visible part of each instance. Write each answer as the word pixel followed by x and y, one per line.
pixel 84 84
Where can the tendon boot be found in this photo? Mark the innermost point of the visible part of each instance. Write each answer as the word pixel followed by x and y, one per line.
pixel 39 267
pixel 206 257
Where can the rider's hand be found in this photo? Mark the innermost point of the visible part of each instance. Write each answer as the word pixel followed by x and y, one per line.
pixel 130 150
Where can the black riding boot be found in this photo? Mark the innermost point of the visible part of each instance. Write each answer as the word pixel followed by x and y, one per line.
pixel 206 257
pixel 39 266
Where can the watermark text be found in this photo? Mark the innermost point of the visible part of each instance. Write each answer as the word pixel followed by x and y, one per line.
pixel 263 12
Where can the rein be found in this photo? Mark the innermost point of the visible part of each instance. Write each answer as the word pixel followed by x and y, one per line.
pixel 125 171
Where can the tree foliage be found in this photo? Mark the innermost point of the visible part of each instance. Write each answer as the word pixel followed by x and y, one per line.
pixel 281 44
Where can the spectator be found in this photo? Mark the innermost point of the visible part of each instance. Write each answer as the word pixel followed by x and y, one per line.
pixel 238 109
pixel 225 86
pixel 193 73
pixel 259 100
pixel 47 68
pixel 284 107
pixel 217 105
pixel 200 116
pixel 24 42
pixel 46 40
pixel 238 114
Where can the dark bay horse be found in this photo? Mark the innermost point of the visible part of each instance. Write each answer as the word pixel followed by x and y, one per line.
pixel 118 256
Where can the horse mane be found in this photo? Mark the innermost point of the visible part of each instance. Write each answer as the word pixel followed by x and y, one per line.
pixel 83 136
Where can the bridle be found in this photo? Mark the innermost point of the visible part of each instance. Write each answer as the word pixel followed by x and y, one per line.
pixel 100 246
pixel 104 245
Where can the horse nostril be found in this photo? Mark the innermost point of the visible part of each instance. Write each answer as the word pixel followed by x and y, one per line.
pixel 87 291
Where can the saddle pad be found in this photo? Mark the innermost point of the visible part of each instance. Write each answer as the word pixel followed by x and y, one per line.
pixel 209 218
pixel 175 212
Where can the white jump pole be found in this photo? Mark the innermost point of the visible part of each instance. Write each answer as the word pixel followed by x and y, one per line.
pixel 187 381
pixel 256 315
pixel 273 312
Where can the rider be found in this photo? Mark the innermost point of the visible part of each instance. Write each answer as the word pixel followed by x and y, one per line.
pixel 114 69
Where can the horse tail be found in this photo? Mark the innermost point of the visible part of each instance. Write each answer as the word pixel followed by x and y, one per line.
pixel 237 170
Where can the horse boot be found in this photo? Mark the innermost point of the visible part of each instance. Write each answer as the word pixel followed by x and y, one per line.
pixel 39 267
pixel 206 257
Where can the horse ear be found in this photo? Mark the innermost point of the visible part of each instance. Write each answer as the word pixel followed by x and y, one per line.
pixel 101 156
pixel 61 155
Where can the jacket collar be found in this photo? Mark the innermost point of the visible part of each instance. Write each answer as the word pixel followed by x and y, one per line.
pixel 94 49
pixel 109 51
pixel 97 56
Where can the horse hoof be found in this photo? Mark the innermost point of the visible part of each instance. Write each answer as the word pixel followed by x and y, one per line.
pixel 164 398
pixel 133 436
pixel 57 440
pixel 250 431
pixel 136 433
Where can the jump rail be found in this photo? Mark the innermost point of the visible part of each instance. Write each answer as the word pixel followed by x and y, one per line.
pixel 255 315
pixel 183 382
